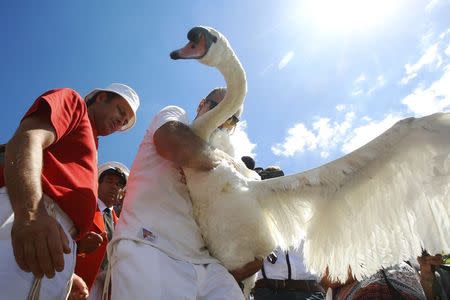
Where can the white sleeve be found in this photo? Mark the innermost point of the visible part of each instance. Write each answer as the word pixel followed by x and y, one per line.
pixel 167 114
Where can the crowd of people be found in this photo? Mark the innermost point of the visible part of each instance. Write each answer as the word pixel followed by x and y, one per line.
pixel 72 229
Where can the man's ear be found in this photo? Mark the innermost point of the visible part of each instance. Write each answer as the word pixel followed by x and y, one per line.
pixel 200 105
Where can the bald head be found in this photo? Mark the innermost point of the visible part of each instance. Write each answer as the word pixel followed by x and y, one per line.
pixel 214 97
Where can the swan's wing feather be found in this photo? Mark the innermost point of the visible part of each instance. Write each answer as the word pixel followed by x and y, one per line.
pixel 374 207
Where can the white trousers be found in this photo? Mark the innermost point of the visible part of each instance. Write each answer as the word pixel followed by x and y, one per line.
pixel 96 291
pixel 140 271
pixel 15 283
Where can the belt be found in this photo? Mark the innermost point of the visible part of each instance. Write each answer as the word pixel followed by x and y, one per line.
pixel 295 285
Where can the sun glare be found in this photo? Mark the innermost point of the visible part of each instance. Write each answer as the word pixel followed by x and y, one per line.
pixel 348 15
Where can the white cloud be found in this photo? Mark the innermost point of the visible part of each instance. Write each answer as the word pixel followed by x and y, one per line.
pixel 285 60
pixel 340 107
pixel 425 101
pixel 323 136
pixel 357 92
pixel 241 142
pixel 381 81
pixel 360 78
pixel 427 38
pixel 364 134
pixel 361 83
pixel 444 34
pixel 324 154
pixel 431 56
pixel 447 51
pixel 378 84
pixel 267 69
pixel 433 4
pixel 298 139
pixel 328 136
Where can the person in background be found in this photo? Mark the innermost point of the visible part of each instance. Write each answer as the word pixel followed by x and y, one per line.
pixel 396 282
pixel 92 261
pixel 249 162
pixel 48 186
pixel 283 274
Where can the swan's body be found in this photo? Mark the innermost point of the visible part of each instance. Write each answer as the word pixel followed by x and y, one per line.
pixel 374 207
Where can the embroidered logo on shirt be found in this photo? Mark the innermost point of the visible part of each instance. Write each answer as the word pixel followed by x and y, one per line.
pixel 148 235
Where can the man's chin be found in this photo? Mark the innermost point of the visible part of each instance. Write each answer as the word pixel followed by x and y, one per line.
pixel 105 132
pixel 110 203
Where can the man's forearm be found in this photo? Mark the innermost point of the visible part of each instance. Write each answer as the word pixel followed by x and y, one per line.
pixel 37 239
pixel 248 270
pixel 23 166
pixel 176 142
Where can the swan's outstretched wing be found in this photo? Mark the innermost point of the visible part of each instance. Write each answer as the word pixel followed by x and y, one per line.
pixel 374 207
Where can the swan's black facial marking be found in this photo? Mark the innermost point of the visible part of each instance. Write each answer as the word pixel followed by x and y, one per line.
pixel 200 40
pixel 196 33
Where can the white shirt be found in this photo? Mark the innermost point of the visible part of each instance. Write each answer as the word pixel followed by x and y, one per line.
pixel 101 206
pixel 279 270
pixel 157 209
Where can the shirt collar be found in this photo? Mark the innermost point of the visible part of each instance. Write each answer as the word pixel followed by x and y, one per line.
pixel 102 206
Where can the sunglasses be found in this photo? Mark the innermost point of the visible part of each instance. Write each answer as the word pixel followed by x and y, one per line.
pixel 233 119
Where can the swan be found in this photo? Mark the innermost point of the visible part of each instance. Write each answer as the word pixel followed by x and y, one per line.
pixel 375 207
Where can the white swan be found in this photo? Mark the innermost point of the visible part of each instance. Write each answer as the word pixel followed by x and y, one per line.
pixel 374 207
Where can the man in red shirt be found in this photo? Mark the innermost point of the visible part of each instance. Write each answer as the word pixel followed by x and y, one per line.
pixel 48 186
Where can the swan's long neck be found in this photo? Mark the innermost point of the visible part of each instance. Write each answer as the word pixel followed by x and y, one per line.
pixel 230 67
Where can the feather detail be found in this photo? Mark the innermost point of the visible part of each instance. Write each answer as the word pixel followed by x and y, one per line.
pixel 374 207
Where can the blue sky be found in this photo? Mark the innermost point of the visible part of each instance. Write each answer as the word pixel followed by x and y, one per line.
pixel 324 77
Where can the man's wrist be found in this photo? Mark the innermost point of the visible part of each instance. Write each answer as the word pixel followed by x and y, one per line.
pixel 30 214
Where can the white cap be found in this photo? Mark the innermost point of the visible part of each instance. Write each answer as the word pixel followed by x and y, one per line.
pixel 113 165
pixel 125 92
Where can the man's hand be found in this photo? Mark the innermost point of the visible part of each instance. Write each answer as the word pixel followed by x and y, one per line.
pixel 427 265
pixel 90 242
pixel 248 270
pixel 326 281
pixel 79 289
pixel 39 243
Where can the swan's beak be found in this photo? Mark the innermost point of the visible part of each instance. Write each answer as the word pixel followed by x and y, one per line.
pixel 200 41
pixel 190 51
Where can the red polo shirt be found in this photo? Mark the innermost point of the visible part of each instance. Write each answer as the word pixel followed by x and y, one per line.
pixel 69 174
